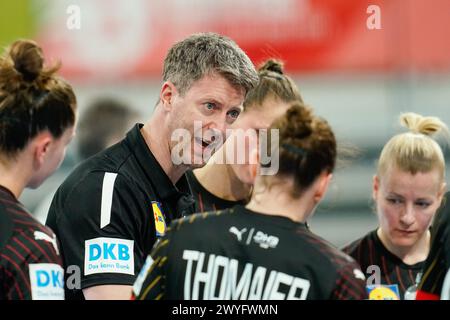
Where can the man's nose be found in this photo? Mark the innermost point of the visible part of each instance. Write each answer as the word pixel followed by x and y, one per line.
pixel 219 126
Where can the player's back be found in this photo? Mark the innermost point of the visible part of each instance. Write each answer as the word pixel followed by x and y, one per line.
pixel 240 254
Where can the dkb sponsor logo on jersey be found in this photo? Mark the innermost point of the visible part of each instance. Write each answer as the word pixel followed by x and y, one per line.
pixel 215 277
pixel 47 281
pixel 109 255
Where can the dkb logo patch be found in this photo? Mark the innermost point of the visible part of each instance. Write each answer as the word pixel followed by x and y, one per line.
pixel 108 255
pixel 47 281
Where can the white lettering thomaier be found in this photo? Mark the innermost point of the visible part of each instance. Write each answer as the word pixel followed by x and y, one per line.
pixel 219 279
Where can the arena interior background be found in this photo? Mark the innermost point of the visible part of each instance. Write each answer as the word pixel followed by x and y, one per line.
pixel 357 72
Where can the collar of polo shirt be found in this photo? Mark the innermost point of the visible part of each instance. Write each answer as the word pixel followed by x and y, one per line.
pixel 163 186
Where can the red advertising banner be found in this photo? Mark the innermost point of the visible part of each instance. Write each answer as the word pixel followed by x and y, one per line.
pixel 118 39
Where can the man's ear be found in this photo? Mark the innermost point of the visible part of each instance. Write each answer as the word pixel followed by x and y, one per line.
pixel 42 144
pixel 167 94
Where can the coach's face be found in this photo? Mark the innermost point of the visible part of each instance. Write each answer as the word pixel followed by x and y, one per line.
pixel 204 112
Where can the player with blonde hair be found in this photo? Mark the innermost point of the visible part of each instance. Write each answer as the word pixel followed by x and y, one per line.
pixel 407 189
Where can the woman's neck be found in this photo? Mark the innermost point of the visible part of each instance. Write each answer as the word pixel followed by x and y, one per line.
pixel 410 255
pixel 13 177
pixel 277 201
pixel 221 181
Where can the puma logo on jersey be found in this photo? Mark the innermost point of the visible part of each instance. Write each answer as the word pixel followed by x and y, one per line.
pixel 359 274
pixel 238 232
pixel 38 235
pixel 264 240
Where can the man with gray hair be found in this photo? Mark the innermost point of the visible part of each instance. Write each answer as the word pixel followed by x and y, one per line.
pixel 112 208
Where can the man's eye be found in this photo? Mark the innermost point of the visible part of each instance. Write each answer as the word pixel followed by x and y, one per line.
pixel 234 113
pixel 210 106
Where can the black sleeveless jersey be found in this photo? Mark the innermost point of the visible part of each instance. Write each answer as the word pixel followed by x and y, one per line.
pixel 240 254
pixel 380 265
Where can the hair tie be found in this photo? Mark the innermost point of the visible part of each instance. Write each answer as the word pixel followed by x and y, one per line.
pixel 295 149
pixel 274 75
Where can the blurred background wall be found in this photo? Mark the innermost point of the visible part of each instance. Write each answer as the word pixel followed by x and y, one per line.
pixel 358 72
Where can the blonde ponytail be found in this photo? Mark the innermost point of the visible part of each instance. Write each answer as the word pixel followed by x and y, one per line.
pixel 422 125
pixel 416 150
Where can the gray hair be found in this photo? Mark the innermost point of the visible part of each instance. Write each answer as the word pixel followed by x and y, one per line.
pixel 200 54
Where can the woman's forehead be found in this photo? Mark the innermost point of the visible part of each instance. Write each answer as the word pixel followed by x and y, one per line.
pixel 402 182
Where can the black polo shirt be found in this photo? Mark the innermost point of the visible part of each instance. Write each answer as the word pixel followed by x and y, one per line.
pixel 111 210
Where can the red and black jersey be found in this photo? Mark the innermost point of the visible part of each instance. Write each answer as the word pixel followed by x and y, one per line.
pixel 30 263
pixel 205 200
pixel 238 254
pixel 395 276
pixel 437 266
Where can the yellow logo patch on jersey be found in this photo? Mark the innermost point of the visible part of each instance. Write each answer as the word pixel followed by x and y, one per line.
pixel 160 223
pixel 383 292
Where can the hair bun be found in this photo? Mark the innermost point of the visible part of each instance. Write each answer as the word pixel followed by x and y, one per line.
pixel 28 59
pixel 272 65
pixel 420 124
pixel 299 121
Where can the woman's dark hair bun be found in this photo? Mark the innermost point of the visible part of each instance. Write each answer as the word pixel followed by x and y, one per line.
pixel 32 97
pixel 298 122
pixel 28 59
pixel 272 65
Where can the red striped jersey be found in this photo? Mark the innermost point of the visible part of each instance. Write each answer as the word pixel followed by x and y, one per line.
pixel 205 200
pixel 30 263
pixel 238 254
pixel 395 276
